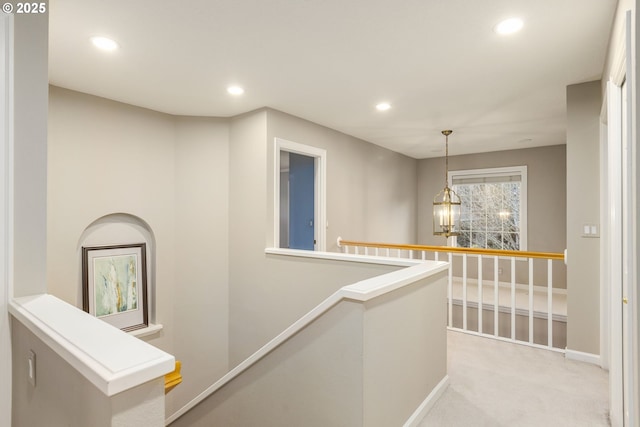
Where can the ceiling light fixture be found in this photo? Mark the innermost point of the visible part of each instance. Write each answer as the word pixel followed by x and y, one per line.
pixel 104 43
pixel 446 204
pixel 235 90
pixel 509 26
pixel 383 106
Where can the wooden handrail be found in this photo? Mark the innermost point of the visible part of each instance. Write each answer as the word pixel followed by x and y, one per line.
pixel 172 379
pixel 469 251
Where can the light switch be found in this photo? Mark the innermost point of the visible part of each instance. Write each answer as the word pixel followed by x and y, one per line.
pixel 32 368
pixel 590 230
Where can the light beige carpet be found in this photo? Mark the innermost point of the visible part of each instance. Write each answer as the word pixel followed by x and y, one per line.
pixel 494 383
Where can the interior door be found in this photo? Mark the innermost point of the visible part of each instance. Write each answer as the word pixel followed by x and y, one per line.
pixel 301 202
pixel 626 254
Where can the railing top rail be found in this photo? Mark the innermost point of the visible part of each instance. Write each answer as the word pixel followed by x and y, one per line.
pixel 469 251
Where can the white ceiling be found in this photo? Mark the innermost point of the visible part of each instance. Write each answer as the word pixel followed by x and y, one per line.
pixel 437 62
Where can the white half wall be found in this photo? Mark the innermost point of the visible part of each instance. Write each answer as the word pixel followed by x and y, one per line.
pixel 62 396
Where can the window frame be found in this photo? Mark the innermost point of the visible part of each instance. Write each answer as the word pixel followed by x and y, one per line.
pixel 498 172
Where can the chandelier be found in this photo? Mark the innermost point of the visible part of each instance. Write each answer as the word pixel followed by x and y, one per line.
pixel 446 204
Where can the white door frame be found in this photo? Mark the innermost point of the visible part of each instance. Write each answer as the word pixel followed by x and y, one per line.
pixel 632 336
pixel 620 224
pixel 320 156
pixel 612 251
pixel 605 236
pixel 627 307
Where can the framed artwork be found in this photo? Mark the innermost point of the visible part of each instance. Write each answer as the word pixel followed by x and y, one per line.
pixel 114 285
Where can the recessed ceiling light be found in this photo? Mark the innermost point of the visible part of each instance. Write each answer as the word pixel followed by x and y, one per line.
pixel 383 106
pixel 509 26
pixel 235 90
pixel 104 43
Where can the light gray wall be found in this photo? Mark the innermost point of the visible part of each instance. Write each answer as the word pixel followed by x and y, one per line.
pixel 201 300
pixel 546 191
pixel 201 186
pixel 350 367
pixel 313 379
pixel 546 204
pixel 27 57
pixel 405 350
pixel 30 91
pixel 363 180
pixel 270 292
pixel 106 157
pixel 583 206
pixel 371 191
pixel 249 322
pixel 62 397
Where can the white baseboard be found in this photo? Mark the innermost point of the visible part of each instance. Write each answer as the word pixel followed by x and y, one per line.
pixel 427 404
pixel 582 357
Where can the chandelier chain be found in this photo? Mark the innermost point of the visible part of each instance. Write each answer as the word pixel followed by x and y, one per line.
pixel 446 162
pixel 446 134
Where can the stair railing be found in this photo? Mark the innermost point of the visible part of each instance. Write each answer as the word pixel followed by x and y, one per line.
pixel 507 302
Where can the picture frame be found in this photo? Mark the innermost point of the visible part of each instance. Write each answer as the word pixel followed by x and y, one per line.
pixel 114 285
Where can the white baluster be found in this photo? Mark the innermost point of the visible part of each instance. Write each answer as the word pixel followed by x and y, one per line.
pixel 464 292
pixel 450 290
pixel 513 298
pixel 496 296
pixel 530 300
pixel 550 303
pixel 480 294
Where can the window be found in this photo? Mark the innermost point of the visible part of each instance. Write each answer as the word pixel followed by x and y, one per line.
pixel 493 214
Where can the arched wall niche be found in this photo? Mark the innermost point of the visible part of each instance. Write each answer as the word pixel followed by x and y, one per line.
pixel 121 229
